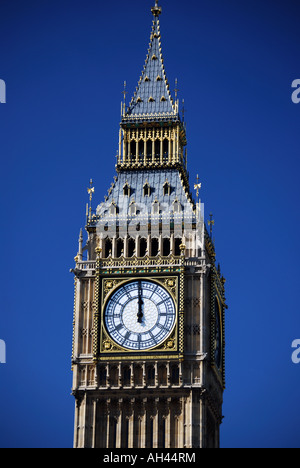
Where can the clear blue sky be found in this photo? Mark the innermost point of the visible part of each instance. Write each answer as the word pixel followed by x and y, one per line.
pixel 64 63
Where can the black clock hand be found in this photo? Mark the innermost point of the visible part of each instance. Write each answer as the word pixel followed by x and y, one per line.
pixel 140 314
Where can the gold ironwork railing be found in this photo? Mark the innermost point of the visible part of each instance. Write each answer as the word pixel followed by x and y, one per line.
pixel 147 261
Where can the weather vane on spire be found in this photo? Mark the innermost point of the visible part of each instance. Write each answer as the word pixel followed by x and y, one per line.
pixel 156 10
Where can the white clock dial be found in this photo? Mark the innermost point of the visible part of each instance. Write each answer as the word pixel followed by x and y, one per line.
pixel 140 315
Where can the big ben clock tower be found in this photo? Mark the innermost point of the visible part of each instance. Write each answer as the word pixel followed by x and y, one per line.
pixel 149 308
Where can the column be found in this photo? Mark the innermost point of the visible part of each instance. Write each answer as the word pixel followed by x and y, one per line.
pixel 120 375
pixel 190 433
pixel 144 375
pixel 128 149
pixel 153 145
pixel 126 424
pixel 108 376
pixel 172 244
pixel 108 423
pixel 168 374
pixel 137 246
pixel 131 424
pixel 94 418
pixel 143 416
pixel 137 145
pixel 120 146
pixel 176 156
pixel 132 375
pixel 119 426
pixel 102 428
pixel 160 244
pixel 77 422
pixel 168 424
pixel 202 434
pixel 145 148
pixel 77 319
pixel 155 423
pixel 156 374
pixel 149 245
pixel 124 147
pixel 102 247
pixel 126 246
pixel 114 247
pixel 181 424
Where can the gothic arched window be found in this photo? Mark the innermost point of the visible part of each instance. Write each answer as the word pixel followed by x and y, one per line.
pixel 126 190
pixel 133 150
pixel 162 375
pixel 155 207
pixel 151 375
pixel 126 376
pixel 166 188
pixel 131 247
pixel 120 247
pixel 149 151
pixel 108 248
pixel 178 243
pixel 138 376
pixel 166 247
pixel 132 208
pixel 141 150
pixel 102 376
pixel 175 375
pixel 165 149
pixel 157 150
pixel 146 190
pixel 143 247
pixel 113 209
pixel 177 206
pixel 154 247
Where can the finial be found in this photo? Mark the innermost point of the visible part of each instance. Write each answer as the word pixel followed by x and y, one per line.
pixel 156 10
pixel 98 251
pixel 123 104
pixel 211 223
pixel 91 190
pixel 80 240
pixel 176 88
pixel 183 110
pixel 182 248
pixel 197 187
pixel 125 92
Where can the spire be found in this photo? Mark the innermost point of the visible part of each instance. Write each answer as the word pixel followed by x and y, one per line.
pixel 152 97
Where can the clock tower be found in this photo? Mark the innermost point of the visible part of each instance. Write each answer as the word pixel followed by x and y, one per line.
pixel 149 307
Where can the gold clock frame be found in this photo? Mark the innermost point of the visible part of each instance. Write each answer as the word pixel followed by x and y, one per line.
pixel 170 345
pixel 111 274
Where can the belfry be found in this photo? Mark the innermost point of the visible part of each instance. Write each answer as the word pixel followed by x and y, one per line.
pixel 148 354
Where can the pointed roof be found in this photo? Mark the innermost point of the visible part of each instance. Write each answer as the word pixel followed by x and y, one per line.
pixel 152 98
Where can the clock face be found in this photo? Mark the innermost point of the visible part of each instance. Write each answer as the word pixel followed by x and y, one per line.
pixel 140 315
